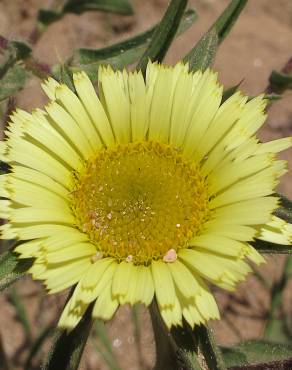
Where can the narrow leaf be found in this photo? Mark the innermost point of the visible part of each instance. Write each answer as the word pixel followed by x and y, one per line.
pixel 123 53
pixel 280 82
pixel 21 313
pixel 276 329
pixel 285 209
pixel 203 53
pixel 105 348
pixel 139 41
pixel 175 350
pixel 12 81
pixel 63 74
pixel 225 22
pixel 14 50
pixel 68 347
pixel 37 345
pixel 202 56
pixel 12 74
pixel 12 268
pixel 263 246
pixel 47 16
pixel 229 92
pixel 114 6
pixel 164 34
pixel 256 352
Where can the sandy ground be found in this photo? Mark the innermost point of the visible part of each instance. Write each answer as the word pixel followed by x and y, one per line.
pixel 260 41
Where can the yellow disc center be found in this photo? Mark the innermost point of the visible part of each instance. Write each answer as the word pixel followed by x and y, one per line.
pixel 140 200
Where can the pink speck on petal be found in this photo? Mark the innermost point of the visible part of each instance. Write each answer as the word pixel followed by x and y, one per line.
pixel 170 256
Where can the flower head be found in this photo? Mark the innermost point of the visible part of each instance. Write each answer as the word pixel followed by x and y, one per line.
pixel 151 189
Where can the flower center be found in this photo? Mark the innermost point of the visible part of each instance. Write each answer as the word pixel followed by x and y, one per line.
pixel 139 201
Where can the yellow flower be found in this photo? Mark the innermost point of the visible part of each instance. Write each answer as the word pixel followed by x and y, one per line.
pixel 151 190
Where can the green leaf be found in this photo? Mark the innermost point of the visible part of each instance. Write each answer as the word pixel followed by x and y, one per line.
pixel 280 82
pixel 37 345
pixel 175 350
pixel 45 17
pixel 12 268
pixel 63 74
pixel 12 81
pixel 123 53
pixel 230 91
pixel 114 6
pixel 14 50
pixel 276 329
pixel 263 246
pixel 67 348
pixel 202 56
pixel 164 34
pixel 256 352
pixel 21 313
pixel 12 74
pixel 203 53
pixel 105 347
pixel 285 209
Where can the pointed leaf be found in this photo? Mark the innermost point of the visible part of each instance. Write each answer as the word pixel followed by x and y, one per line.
pixel 230 91
pixel 12 268
pixel 21 312
pixel 256 352
pixel 114 6
pixel 280 82
pixel 285 209
pixel 123 53
pixel 12 74
pixel 67 348
pixel 105 347
pixel 202 56
pixel 139 41
pixel 63 74
pixel 12 81
pixel 45 17
pixel 263 246
pixel 37 345
pixel 276 329
pixel 203 53
pixel 164 34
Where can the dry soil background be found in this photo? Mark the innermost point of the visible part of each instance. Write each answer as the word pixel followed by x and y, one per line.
pixel 260 41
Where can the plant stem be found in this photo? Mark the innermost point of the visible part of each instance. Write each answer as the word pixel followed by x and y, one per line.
pixel 209 348
pixel 175 349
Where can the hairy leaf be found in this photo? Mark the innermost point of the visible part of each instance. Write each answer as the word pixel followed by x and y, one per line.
pixel 280 82
pixel 139 41
pixel 68 347
pixel 45 17
pixel 263 246
pixel 285 209
pixel 12 81
pixel 203 53
pixel 123 53
pixel 12 73
pixel 164 34
pixel 21 312
pixel 105 347
pixel 37 345
pixel 12 268
pixel 256 352
pixel 202 56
